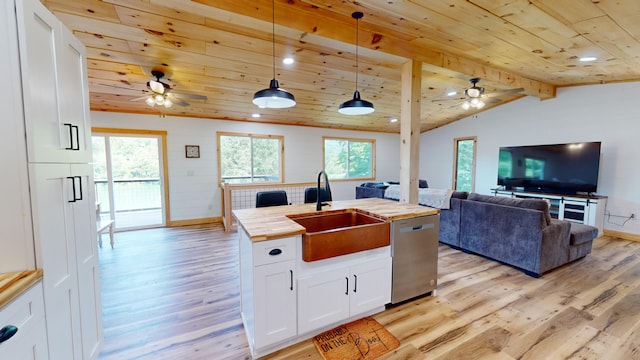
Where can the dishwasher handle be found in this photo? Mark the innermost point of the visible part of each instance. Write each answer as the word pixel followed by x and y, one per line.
pixel 417 227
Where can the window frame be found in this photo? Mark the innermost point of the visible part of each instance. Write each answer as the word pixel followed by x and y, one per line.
pixel 456 142
pixel 220 134
pixel 350 139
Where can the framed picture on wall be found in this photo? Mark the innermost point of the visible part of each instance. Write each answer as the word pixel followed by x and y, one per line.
pixel 192 151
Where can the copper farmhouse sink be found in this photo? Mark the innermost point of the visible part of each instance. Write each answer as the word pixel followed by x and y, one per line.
pixel 340 232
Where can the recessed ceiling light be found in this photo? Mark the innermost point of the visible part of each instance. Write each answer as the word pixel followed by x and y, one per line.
pixel 288 61
pixel 588 58
pixel 393 120
pixel 451 93
pixel 255 115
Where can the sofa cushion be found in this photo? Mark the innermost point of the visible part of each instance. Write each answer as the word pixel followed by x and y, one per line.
pixel 459 195
pixel 374 184
pixel 533 204
pixel 581 233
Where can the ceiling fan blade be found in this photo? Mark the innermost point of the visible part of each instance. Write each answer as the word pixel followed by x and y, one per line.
pixel 176 100
pixel 139 98
pixel 189 96
pixel 156 86
pixel 449 99
pixel 117 87
pixel 504 92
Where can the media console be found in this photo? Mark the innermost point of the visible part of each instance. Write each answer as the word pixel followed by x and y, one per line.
pixel 581 209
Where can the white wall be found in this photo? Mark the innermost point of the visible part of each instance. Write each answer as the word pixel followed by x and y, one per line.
pixel 193 189
pixel 606 113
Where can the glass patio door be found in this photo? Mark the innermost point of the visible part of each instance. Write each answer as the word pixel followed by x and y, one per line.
pixel 128 179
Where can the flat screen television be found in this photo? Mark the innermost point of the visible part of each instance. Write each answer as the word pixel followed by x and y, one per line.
pixel 556 168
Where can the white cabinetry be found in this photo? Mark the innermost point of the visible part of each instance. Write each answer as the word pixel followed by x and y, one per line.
pixel 285 300
pixel 45 70
pixel 275 297
pixel 587 210
pixel 269 291
pixel 15 210
pixel 331 296
pixel 64 215
pixel 26 312
pixel 54 81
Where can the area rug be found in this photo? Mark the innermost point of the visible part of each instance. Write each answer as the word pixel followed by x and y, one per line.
pixel 363 339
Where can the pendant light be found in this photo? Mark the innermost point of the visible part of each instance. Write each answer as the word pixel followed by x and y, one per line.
pixel 273 97
pixel 356 106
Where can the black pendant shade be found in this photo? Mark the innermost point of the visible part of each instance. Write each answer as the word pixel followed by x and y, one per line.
pixel 356 106
pixel 273 97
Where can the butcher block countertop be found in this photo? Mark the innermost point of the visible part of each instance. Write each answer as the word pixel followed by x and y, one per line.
pixel 14 284
pixel 269 223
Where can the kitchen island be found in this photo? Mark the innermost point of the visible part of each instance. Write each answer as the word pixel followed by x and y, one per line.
pixel 285 299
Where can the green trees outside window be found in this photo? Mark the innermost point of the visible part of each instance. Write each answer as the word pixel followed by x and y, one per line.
pixel 465 163
pixel 349 158
pixel 245 158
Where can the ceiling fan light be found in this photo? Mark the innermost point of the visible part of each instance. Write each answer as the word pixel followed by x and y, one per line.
pixel 475 102
pixel 473 92
pixel 466 105
pixel 274 97
pixel 480 104
pixel 356 106
pixel 150 101
pixel 167 103
pixel 159 99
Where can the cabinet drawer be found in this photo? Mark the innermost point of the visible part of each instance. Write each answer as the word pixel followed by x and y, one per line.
pixel 26 312
pixel 272 251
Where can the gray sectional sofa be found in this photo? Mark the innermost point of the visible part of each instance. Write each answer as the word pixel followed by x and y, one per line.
pixel 517 232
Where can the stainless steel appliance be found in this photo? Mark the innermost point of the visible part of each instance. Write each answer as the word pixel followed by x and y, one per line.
pixel 414 247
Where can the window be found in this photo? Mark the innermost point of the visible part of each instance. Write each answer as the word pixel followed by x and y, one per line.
pixel 464 163
pixel 130 177
pixel 250 158
pixel 349 158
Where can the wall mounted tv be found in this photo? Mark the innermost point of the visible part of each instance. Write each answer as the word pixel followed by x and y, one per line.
pixel 558 168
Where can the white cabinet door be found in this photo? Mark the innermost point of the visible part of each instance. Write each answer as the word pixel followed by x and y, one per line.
pixel 275 303
pixel 26 312
pixel 33 346
pixel 371 286
pixel 323 299
pixel 333 296
pixel 53 69
pixel 15 219
pixel 74 97
pixel 64 217
pixel 52 202
pixel 87 262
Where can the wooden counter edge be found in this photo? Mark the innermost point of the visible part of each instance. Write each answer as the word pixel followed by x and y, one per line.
pixel 14 284
pixel 405 211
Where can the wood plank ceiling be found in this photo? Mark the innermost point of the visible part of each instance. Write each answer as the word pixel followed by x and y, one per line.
pixel 223 49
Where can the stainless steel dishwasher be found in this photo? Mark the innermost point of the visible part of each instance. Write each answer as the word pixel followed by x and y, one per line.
pixel 414 248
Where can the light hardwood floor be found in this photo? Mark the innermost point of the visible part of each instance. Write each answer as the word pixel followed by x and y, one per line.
pixel 174 294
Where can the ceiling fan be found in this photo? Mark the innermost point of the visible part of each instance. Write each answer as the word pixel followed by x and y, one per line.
pixel 475 94
pixel 163 95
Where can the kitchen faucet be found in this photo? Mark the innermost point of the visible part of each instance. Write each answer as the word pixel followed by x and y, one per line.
pixel 327 189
